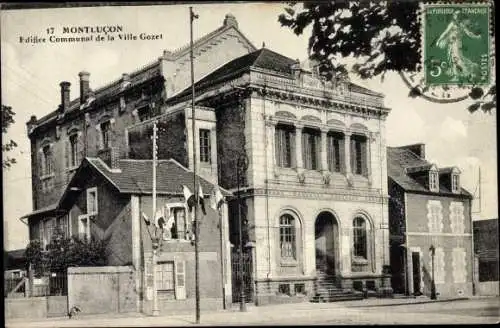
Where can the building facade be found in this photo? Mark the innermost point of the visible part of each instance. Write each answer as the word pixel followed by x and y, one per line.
pixel 428 209
pixel 314 189
pixel 313 180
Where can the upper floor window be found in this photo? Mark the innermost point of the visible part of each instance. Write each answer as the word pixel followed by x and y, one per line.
pixel 434 216
pixel 92 201
pixel 105 134
pixel 47 160
pixel 433 181
pixel 73 150
pixel 288 245
pixel 455 183
pixel 359 156
pixel 311 148
pixel 285 145
pixel 205 146
pixel 176 226
pixel 360 243
pixel 335 149
pixel 144 113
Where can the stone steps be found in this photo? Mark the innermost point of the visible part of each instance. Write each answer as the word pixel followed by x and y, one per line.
pixel 326 289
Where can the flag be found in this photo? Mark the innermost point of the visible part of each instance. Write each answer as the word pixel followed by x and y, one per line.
pixel 159 219
pixel 201 200
pixel 144 216
pixel 188 198
pixel 217 198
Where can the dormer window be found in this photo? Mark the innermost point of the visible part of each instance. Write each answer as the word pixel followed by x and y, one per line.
pixel 455 183
pixel 105 134
pixel 433 181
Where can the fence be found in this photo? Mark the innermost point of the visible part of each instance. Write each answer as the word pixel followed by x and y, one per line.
pixel 10 284
pixel 51 284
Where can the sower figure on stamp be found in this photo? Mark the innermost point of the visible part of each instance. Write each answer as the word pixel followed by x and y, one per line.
pixel 458 64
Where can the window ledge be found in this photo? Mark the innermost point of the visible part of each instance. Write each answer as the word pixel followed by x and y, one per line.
pixel 176 241
pixel 288 263
pixel 359 261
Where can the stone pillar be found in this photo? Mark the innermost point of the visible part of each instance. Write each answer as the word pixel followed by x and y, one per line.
pixel 298 146
pixel 347 152
pixel 271 148
pixel 324 150
pixel 345 250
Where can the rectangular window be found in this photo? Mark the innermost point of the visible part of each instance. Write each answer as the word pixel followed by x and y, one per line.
pixel 62 225
pixel 144 113
pixel 105 133
pixel 165 276
pixel 335 146
pixel 310 148
pixel 73 143
pixel 284 289
pixel 433 181
pixel 359 156
pixel 455 183
pixel 300 289
pixel 92 201
pixel 205 146
pixel 83 227
pixel 47 160
pixel 285 145
pixel 287 237
pixel 176 225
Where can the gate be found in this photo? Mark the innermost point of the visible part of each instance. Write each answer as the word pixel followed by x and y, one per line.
pixel 247 276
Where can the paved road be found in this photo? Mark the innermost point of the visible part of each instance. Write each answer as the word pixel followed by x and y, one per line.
pixel 478 311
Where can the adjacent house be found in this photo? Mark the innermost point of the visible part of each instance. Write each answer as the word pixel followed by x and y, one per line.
pixel 428 210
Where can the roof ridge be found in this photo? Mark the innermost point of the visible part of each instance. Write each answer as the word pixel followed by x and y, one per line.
pixel 177 52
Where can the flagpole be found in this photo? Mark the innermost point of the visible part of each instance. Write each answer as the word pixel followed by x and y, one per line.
pixel 192 17
pixel 154 240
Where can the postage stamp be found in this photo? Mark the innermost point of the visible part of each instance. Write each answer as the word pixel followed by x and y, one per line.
pixel 456 44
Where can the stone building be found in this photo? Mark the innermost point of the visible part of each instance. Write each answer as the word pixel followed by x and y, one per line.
pixel 428 207
pixel 314 188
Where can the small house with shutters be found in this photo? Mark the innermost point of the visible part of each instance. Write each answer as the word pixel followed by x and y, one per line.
pixel 111 200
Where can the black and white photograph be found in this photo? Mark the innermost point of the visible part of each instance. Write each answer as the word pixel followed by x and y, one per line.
pixel 249 163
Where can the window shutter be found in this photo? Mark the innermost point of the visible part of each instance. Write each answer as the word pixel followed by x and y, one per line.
pixel 364 157
pixel 342 155
pixel 277 143
pixel 353 155
pixel 306 154
pixel 180 280
pixel 330 153
pixel 317 145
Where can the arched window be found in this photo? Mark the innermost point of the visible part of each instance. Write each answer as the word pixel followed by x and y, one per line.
pixel 288 245
pixel 360 246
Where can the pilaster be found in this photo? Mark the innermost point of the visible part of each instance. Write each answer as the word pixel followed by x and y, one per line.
pixel 298 147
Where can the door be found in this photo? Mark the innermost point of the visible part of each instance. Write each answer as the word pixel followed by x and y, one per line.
pixel 416 273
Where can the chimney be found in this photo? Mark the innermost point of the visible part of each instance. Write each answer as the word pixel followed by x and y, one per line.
pixel 230 20
pixel 31 123
pixel 64 95
pixel 84 86
pixel 110 156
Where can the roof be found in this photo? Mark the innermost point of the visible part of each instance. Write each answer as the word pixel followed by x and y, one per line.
pixel 147 71
pixel 135 176
pixel 263 58
pixel 43 210
pixel 399 160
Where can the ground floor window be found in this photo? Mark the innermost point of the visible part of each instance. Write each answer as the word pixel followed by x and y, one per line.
pixel 165 277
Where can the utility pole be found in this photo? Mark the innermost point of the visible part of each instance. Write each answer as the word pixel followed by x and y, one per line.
pixel 155 239
pixel 192 17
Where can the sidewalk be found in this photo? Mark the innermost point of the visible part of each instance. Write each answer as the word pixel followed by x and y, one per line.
pixel 347 312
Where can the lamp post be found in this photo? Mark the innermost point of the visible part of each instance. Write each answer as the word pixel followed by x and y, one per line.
pixel 241 167
pixel 432 249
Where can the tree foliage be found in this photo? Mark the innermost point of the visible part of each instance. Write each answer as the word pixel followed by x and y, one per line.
pixel 63 253
pixel 7 120
pixel 382 35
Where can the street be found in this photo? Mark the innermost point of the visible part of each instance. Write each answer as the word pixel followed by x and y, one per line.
pixel 370 311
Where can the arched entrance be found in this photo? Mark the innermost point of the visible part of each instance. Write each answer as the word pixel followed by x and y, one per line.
pixel 327 245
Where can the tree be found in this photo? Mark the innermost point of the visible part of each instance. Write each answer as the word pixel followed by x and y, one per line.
pixel 7 120
pixel 382 35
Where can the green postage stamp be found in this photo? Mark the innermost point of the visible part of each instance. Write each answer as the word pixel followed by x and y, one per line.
pixel 456 44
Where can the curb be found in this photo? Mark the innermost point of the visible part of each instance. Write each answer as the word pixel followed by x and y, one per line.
pixel 412 303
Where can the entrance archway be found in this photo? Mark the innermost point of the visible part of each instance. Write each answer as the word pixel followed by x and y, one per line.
pixel 326 244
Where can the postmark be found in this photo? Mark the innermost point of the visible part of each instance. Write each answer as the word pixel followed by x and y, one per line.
pixel 456 44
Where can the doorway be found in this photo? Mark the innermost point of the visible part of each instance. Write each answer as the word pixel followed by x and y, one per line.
pixel 326 244
pixel 417 274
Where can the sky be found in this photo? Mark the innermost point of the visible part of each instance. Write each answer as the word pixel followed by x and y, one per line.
pixel 31 73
